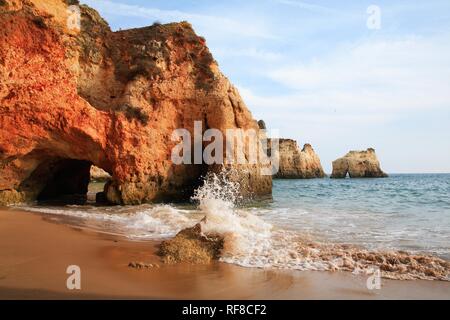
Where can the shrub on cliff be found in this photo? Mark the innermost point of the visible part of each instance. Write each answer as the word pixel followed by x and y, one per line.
pixel 136 113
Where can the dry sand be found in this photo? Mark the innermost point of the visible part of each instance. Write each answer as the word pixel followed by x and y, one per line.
pixel 35 253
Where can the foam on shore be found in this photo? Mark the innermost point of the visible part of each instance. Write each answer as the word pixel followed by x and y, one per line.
pixel 252 242
pixel 249 240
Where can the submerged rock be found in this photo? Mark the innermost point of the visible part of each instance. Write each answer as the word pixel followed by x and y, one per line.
pixel 192 246
pixel 107 98
pixel 298 164
pixel 358 164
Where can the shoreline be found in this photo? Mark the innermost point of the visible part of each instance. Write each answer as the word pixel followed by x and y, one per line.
pixel 35 253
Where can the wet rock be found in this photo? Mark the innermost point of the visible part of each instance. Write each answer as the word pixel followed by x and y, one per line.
pixel 192 246
pixel 101 198
pixel 142 265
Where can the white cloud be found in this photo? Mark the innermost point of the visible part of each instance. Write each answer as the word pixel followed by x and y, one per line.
pixel 383 92
pixel 368 77
pixel 207 24
pixel 389 94
pixel 312 108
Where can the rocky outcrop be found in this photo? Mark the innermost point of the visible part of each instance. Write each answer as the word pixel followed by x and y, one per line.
pixel 358 164
pixel 298 164
pixel 192 246
pixel 70 98
pixel 99 175
pixel 262 124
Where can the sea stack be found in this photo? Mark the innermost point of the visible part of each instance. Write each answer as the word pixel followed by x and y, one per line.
pixel 74 97
pixel 298 164
pixel 358 164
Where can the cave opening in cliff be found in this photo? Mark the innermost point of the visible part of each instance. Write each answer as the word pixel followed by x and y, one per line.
pixel 98 180
pixel 59 181
pixel 63 181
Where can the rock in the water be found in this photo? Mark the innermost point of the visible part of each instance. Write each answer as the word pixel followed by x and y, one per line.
pixel 298 164
pixel 99 175
pixel 112 99
pixel 100 198
pixel 192 246
pixel 358 164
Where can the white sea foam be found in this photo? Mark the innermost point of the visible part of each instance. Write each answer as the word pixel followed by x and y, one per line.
pixel 252 242
pixel 249 240
pixel 143 222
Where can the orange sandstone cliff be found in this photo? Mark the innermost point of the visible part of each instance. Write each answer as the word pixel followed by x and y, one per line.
pixel 70 99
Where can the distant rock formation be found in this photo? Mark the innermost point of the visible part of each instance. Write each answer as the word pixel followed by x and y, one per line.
pixel 99 175
pixel 358 164
pixel 298 164
pixel 73 98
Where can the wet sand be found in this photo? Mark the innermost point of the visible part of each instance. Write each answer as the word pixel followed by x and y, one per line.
pixel 35 253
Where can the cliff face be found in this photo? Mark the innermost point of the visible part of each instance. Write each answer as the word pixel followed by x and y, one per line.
pixel 298 164
pixel 358 164
pixel 70 99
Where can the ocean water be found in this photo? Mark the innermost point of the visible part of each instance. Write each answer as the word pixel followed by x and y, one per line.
pixel 405 211
pixel 408 212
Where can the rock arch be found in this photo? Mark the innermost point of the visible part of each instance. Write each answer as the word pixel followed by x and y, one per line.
pixel 358 164
pixel 108 98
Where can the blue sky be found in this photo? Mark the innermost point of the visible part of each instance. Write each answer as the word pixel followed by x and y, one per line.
pixel 317 73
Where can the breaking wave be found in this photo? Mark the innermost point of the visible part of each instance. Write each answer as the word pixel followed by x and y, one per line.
pixel 249 241
pixel 144 222
pixel 252 242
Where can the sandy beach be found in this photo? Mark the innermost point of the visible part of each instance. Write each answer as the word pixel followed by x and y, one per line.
pixel 274 150
pixel 35 253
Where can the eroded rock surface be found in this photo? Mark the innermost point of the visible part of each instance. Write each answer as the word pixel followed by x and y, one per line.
pixel 358 164
pixel 298 164
pixel 99 175
pixel 106 98
pixel 192 246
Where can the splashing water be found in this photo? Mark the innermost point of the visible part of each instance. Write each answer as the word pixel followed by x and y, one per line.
pixel 145 222
pixel 249 240
pixel 252 242
pixel 243 232
pixel 217 194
